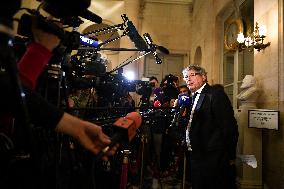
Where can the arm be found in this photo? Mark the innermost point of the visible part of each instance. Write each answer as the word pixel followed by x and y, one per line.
pixel 88 134
pixel 224 118
pixel 33 63
pixel 37 56
pixel 47 115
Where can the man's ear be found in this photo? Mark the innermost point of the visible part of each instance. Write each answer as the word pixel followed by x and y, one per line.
pixel 204 78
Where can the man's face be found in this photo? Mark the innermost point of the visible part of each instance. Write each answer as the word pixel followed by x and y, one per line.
pixel 194 80
pixel 153 83
pixel 183 90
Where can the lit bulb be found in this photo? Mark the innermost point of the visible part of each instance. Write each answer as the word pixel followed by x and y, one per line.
pixel 241 38
pixel 248 41
pixel 262 30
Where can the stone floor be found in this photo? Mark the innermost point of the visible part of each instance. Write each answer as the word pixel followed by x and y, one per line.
pixel 169 182
pixel 165 183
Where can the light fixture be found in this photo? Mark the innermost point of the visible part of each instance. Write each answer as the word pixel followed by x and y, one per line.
pixel 254 40
pixel 129 75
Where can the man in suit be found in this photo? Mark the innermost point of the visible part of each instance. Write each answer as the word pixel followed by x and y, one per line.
pixel 212 132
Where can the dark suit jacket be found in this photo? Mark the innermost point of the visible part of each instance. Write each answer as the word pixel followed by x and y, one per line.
pixel 214 127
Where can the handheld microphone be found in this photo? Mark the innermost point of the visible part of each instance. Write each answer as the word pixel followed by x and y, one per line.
pixel 157 104
pixel 183 102
pixel 124 131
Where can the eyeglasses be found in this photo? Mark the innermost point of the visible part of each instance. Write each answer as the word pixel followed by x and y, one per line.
pixel 190 75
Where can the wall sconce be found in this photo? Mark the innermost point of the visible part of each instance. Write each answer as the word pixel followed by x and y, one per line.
pixel 255 40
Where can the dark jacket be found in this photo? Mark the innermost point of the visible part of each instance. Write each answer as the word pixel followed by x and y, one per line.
pixel 214 127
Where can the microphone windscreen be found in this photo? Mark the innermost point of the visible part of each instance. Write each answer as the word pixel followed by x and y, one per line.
pixel 135 37
pixel 136 117
pixel 157 104
pixel 184 100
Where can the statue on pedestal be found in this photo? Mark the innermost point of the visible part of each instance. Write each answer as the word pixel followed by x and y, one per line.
pixel 249 91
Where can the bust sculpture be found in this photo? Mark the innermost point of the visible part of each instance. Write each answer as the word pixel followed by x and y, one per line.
pixel 249 88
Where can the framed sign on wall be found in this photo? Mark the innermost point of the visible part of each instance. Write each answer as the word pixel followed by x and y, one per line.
pixel 263 119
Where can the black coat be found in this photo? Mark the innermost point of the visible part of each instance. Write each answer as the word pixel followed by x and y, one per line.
pixel 214 127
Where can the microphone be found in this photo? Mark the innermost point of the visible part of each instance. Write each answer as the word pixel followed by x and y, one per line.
pixel 124 131
pixel 134 36
pixel 91 16
pixel 88 41
pixel 153 47
pixel 163 49
pixel 183 102
pixel 157 104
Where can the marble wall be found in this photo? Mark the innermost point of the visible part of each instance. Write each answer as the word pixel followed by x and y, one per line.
pixel 268 69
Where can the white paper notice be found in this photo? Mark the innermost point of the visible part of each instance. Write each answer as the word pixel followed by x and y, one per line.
pixel 250 160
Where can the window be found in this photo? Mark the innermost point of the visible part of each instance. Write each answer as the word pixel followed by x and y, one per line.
pixel 236 65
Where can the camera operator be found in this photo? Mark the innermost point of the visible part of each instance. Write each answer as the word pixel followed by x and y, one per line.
pixel 169 86
pixel 154 83
pixel 89 135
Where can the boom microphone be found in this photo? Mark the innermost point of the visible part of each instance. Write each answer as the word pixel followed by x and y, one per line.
pixel 124 129
pixel 133 34
pixel 153 47
pixel 91 16
pixel 135 37
pixel 163 49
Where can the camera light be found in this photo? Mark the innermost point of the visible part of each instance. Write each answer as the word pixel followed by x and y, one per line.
pixel 129 75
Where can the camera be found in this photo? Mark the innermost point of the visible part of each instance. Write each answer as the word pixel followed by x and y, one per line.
pixel 169 86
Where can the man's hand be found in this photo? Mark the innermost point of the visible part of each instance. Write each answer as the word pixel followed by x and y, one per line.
pixel 88 134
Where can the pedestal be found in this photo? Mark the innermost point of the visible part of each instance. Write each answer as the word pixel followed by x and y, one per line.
pixel 249 143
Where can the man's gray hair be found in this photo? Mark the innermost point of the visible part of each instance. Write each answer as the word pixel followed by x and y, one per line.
pixel 196 68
